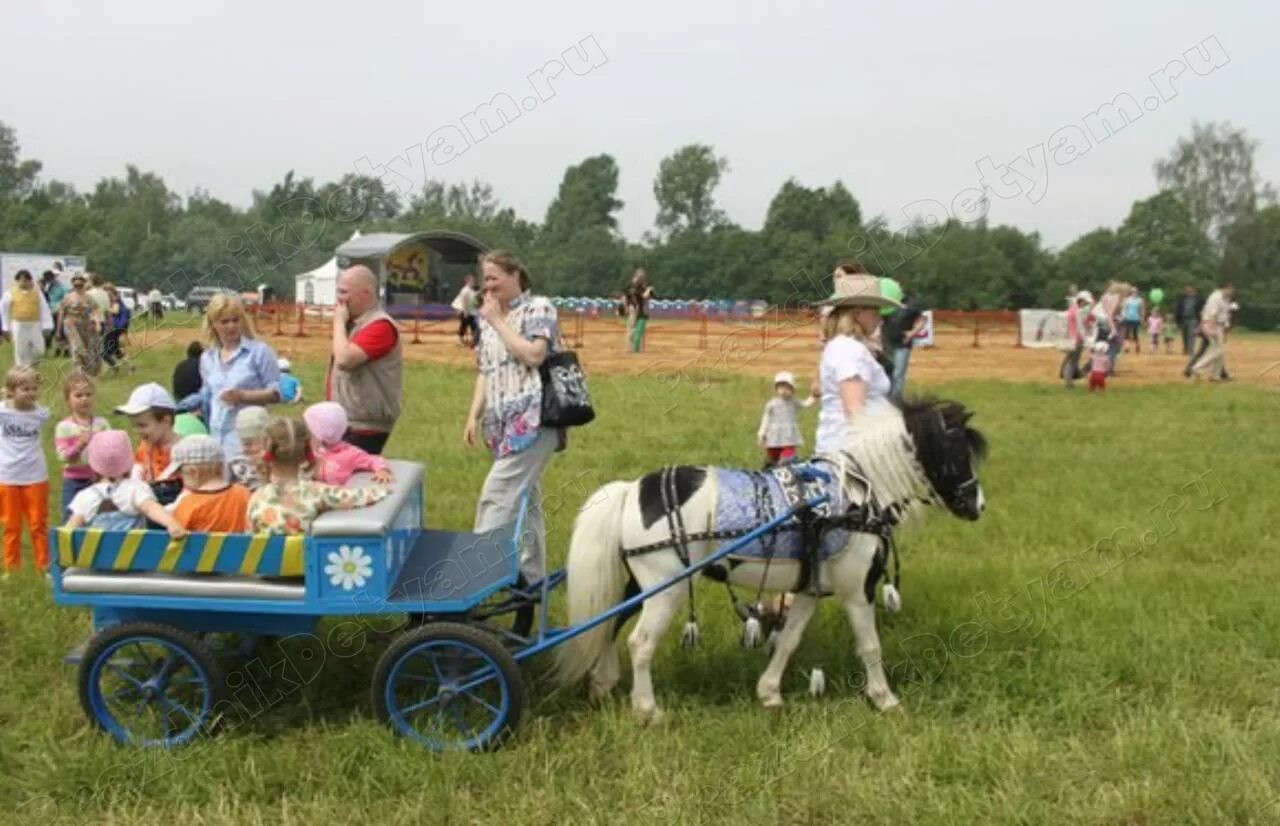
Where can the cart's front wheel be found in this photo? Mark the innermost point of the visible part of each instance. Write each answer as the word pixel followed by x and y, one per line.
pixel 151 685
pixel 449 687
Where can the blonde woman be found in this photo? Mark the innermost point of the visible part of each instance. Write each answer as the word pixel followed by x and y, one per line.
pixel 850 379
pixel 237 370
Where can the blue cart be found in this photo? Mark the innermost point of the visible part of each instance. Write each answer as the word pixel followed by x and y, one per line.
pixel 151 676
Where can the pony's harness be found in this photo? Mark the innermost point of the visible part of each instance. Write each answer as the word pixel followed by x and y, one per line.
pixel 815 532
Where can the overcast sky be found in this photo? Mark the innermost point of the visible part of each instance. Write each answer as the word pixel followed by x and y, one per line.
pixel 899 101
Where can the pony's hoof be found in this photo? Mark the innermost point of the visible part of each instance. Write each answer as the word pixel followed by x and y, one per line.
pixel 884 700
pixel 647 716
pixel 773 703
pixel 598 692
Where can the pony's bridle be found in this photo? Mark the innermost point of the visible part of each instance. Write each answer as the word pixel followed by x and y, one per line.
pixel 956 483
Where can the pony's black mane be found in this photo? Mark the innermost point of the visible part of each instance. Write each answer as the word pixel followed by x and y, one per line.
pixel 921 417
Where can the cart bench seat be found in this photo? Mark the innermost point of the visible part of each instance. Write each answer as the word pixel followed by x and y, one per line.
pixel 378 519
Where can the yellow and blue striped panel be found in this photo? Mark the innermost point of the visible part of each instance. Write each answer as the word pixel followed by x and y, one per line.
pixel 215 553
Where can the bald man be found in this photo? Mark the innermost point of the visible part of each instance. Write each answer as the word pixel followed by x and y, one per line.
pixel 365 364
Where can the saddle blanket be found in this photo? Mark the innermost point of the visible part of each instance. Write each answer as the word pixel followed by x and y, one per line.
pixel 745 500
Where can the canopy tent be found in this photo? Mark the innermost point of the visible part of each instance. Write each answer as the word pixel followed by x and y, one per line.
pixel 414 269
pixel 319 286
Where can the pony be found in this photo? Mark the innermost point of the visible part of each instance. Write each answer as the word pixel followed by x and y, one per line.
pixel 632 535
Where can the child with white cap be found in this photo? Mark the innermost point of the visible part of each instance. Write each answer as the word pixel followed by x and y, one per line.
pixel 116 501
pixel 153 411
pixel 333 460
pixel 779 432
pixel 290 386
pixel 209 502
pixel 246 469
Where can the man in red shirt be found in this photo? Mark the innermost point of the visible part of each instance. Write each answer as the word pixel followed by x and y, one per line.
pixel 365 365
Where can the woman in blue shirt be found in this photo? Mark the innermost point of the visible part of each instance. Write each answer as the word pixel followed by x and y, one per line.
pixel 1132 317
pixel 237 370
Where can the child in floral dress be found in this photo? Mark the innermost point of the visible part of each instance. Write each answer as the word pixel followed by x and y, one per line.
pixel 288 503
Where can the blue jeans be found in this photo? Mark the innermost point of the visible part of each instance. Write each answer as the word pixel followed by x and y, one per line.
pixel 70 487
pixel 1114 347
pixel 898 381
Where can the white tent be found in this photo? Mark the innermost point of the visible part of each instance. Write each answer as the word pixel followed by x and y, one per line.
pixel 319 286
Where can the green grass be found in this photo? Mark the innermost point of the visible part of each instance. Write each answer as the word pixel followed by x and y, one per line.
pixel 1045 678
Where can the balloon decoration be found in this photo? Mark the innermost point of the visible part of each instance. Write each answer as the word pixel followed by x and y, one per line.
pixel 187 425
pixel 889 288
pixel 1156 295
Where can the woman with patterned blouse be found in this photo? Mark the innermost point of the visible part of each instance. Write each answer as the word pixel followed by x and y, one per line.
pixel 517 332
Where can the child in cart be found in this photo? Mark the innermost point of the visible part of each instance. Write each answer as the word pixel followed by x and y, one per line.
pixel 115 501
pixel 288 503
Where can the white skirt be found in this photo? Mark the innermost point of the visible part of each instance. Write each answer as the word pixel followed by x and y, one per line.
pixel 28 343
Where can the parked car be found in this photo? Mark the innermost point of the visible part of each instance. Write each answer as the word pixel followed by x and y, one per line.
pixel 172 302
pixel 129 296
pixel 198 299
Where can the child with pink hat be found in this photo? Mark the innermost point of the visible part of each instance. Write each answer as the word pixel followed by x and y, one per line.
pixel 116 502
pixel 333 460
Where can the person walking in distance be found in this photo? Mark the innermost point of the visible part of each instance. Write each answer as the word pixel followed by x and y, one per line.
pixel 365 365
pixel 640 294
pixel 1186 314
pixel 1213 325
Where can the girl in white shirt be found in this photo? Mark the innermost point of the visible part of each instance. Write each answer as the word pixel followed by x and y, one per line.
pixel 24 476
pixel 116 502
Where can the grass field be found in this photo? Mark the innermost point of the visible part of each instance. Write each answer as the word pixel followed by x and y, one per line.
pixel 1102 647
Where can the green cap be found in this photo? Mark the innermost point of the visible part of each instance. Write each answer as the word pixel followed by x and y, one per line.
pixel 188 425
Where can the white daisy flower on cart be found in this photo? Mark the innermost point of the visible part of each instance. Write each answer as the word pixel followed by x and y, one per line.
pixel 349 567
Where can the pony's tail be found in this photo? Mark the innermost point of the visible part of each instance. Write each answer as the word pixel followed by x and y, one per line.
pixel 596 578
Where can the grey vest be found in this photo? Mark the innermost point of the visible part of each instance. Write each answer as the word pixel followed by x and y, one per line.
pixel 370 393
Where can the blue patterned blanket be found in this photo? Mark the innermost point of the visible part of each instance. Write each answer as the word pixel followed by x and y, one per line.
pixel 746 500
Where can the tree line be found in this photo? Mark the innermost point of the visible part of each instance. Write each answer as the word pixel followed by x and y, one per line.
pixel 1212 219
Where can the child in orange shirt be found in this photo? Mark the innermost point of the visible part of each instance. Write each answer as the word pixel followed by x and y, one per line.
pixel 152 410
pixel 209 503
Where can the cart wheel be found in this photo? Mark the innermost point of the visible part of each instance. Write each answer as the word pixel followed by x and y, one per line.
pixel 449 687
pixel 150 685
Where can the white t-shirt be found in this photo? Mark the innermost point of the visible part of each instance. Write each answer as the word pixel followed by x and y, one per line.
pixel 128 496
pixel 21 455
pixel 846 358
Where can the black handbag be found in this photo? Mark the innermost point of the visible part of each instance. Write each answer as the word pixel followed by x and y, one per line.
pixel 565 400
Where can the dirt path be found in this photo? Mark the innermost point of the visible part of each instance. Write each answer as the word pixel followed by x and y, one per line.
pixel 678 347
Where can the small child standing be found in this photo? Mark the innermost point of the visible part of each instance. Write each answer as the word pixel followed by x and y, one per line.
pixel 1098 367
pixel 1155 323
pixel 290 386
pixel 115 501
pixel 208 502
pixel 72 436
pixel 152 410
pixel 779 432
pixel 333 460
pixel 246 469
pixel 287 503
pixel 24 476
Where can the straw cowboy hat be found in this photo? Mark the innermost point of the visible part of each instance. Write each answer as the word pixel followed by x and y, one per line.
pixel 859 290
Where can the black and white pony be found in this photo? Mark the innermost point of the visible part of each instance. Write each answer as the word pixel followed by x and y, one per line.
pixel 630 536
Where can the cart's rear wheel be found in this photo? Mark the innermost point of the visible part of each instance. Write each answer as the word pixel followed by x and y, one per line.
pixel 150 684
pixel 449 686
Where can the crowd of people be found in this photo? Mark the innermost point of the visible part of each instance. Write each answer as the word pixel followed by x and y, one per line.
pixel 1117 323
pixel 212 456
pixel 87 322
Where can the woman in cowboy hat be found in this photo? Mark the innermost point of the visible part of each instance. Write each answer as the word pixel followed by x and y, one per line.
pixel 850 378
